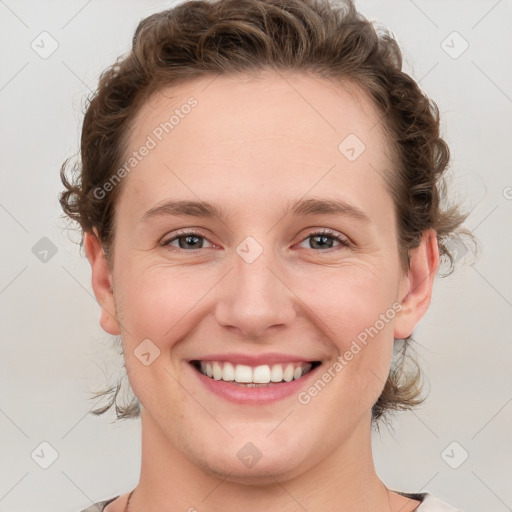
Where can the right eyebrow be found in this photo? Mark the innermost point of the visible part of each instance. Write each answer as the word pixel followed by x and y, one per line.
pixel 183 209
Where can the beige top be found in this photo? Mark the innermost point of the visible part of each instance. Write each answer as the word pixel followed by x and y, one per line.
pixel 429 503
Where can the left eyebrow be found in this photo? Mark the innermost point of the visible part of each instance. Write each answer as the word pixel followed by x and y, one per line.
pixel 305 207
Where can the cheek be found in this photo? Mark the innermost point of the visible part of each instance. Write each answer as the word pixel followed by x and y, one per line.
pixel 156 305
pixel 155 301
pixel 350 303
pixel 356 313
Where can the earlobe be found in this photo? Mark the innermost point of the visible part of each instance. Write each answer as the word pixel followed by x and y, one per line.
pixel 417 285
pixel 102 283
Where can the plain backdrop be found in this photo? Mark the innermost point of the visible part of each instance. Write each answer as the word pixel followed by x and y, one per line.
pixel 458 445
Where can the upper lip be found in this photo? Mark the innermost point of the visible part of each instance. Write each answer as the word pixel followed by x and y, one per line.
pixel 255 360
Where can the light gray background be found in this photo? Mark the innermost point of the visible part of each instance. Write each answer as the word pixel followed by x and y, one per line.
pixel 54 352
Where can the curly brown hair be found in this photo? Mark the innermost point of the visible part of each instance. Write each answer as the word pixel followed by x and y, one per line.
pixel 329 40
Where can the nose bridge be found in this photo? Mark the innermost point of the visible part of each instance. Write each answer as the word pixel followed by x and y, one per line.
pixel 256 298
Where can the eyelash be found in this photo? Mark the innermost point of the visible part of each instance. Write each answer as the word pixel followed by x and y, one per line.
pixel 326 232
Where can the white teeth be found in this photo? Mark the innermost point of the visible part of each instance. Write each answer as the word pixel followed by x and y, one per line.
pixel 263 374
pixel 243 373
pixel 288 373
pixel 217 371
pixel 276 373
pixel 228 372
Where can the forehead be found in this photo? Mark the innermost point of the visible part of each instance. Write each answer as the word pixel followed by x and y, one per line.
pixel 272 130
pixel 266 105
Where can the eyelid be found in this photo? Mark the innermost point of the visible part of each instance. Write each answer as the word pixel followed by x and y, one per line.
pixel 342 239
pixel 168 238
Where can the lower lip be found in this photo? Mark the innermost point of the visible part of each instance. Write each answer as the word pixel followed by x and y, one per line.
pixel 257 395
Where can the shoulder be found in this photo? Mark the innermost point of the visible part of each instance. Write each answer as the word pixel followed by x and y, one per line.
pixel 430 503
pixel 99 506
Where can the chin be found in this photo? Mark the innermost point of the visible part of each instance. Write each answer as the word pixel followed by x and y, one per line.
pixel 264 472
pixel 257 462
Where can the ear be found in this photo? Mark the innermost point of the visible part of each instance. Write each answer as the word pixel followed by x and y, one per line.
pixel 416 286
pixel 102 283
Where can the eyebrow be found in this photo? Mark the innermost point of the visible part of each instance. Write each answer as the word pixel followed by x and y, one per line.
pixel 300 208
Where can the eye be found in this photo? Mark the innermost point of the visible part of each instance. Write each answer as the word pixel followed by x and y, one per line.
pixel 187 240
pixel 324 240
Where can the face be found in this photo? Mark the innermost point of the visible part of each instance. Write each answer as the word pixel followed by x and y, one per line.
pixel 288 269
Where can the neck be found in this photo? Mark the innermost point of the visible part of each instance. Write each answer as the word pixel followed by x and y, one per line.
pixel 345 481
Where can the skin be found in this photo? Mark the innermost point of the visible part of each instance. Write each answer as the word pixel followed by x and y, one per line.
pixel 251 145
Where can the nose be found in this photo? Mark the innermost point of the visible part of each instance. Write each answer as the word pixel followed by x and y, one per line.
pixel 255 297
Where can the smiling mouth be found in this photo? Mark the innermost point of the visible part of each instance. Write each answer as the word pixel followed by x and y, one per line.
pixel 254 376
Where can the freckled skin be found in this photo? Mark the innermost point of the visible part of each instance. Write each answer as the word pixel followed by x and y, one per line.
pixel 251 145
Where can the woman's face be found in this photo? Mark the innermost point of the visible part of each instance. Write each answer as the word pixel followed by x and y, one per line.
pixel 256 277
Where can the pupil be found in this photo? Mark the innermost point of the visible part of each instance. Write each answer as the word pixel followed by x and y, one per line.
pixel 189 240
pixel 324 240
